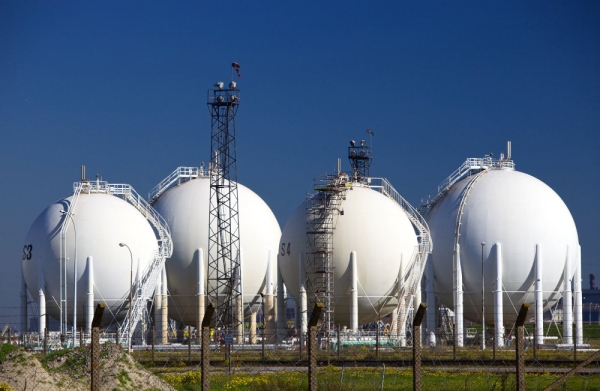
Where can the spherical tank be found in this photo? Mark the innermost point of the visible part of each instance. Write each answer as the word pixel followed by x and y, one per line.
pixel 378 230
pixel 186 209
pixel 100 222
pixel 510 211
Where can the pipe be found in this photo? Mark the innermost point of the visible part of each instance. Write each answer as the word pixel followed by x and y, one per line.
pixel 458 298
pixel 253 328
pixel 200 288
pixel 431 307
pixel 239 302
pixel 578 310
pixel 567 303
pixel 281 307
pixel 158 305
pixel 89 308
pixel 539 295
pixel 164 324
pixel 353 292
pixel 303 299
pixel 498 299
pixel 42 295
pixel 269 296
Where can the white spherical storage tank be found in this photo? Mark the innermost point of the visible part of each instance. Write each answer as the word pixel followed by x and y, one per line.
pixel 185 207
pixel 500 221
pixel 99 223
pixel 377 231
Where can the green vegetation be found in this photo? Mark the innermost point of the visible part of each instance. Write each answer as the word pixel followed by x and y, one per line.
pixel 5 387
pixel 5 350
pixel 123 377
pixel 330 378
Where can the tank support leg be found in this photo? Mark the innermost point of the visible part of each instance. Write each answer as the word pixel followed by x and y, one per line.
pixel 498 300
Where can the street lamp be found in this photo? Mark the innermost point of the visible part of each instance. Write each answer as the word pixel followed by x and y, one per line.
pixel 482 301
pixel 70 215
pixel 130 288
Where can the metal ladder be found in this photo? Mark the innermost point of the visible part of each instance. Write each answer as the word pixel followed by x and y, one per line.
pixel 63 255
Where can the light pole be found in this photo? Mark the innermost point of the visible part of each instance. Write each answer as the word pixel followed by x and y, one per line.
pixel 70 215
pixel 130 287
pixel 482 301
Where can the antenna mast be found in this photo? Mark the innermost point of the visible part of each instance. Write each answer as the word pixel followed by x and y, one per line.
pixel 224 271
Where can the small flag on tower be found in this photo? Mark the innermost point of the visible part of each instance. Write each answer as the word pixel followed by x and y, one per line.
pixel 236 66
pixel 370 132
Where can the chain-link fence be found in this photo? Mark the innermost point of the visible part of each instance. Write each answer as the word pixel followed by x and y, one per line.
pixel 279 359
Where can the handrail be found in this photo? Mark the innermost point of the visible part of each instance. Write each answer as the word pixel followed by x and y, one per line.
pixel 471 164
pixel 418 259
pixel 129 193
pixel 422 229
pixel 185 173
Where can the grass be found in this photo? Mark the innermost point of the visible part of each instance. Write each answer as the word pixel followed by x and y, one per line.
pixel 330 378
pixel 6 349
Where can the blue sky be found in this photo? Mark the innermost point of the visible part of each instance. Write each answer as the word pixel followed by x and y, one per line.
pixel 120 87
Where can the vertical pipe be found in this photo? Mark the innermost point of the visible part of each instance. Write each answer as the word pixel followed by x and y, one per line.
pixel 42 294
pixel 498 300
pixel 75 277
pixel 402 309
pixel 458 298
pixel 303 299
pixel 157 307
pixel 239 304
pixel 253 328
pixel 353 292
pixel 281 307
pixel 431 307
pixel 578 300
pixel 89 308
pixel 567 303
pixel 269 296
pixel 24 301
pixel 200 288
pixel 164 332
pixel 539 295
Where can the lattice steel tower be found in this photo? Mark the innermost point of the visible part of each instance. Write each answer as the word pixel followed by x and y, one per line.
pixel 360 158
pixel 224 272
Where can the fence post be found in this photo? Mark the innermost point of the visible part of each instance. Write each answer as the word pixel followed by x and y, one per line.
pixel 45 341
pixel 117 336
pixel 575 347
pixel 418 319
pixel 189 345
pixel 96 321
pixel 339 345
pixel 210 309
pixel 312 346
pixel 454 342
pixel 153 341
pixel 81 336
pixel 520 348
pixel 377 339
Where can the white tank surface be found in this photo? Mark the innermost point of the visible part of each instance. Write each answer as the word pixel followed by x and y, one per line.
pixel 100 223
pixel 510 208
pixel 378 230
pixel 185 207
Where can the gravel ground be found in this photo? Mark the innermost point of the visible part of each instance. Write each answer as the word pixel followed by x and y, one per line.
pixel 71 370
